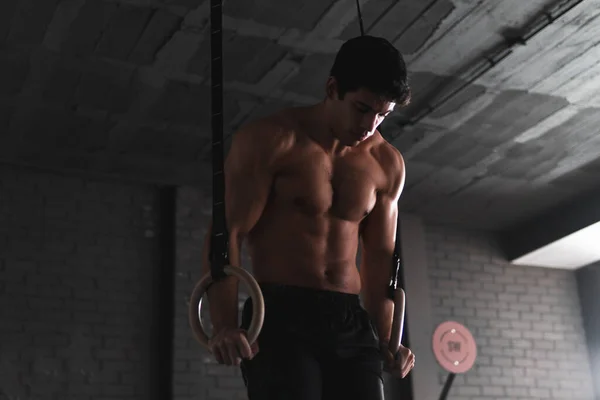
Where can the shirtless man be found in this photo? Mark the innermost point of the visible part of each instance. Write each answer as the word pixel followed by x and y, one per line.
pixel 305 187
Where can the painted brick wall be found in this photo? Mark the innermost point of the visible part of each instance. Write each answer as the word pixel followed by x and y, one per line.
pixel 75 288
pixel 196 374
pixel 526 321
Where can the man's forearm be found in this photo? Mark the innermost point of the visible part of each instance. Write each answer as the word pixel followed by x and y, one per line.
pixel 222 295
pixel 381 309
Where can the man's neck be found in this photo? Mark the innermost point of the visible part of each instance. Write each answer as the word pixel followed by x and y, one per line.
pixel 321 131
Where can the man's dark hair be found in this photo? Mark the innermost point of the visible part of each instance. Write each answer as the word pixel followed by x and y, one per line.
pixel 372 63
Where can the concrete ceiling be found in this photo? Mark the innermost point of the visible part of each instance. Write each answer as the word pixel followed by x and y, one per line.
pixel 120 88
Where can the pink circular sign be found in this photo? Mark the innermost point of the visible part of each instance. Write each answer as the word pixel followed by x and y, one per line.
pixel 454 347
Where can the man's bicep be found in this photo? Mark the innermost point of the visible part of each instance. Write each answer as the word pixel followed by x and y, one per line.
pixel 379 233
pixel 379 230
pixel 248 180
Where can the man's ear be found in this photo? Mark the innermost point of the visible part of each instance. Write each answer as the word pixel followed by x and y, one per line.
pixel 331 88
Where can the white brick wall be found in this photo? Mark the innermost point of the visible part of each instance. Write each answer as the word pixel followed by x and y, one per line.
pixel 526 321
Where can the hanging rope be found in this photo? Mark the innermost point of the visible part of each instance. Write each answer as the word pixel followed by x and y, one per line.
pixel 219 240
pixel 360 19
pixel 219 256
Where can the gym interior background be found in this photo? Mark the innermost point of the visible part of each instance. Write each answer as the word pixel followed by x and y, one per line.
pixel 105 184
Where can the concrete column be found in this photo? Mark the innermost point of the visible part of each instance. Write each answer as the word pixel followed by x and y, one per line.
pixel 588 281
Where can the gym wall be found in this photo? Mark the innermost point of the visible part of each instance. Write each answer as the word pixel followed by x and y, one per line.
pixel 76 267
pixel 78 301
pixel 526 321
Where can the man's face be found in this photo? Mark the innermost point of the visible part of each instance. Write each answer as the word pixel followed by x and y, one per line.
pixel 357 115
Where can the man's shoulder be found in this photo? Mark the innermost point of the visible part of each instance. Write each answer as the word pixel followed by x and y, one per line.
pixel 388 155
pixel 280 123
pixel 271 133
pixel 391 162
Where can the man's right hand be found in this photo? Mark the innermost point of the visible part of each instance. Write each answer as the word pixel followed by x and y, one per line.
pixel 230 346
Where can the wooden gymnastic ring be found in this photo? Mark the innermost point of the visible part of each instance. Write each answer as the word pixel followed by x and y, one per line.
pixel 258 305
pixel 397 321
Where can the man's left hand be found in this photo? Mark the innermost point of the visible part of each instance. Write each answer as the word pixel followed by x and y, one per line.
pixel 399 364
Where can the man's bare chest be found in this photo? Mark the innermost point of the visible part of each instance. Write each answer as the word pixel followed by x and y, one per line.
pixel 344 187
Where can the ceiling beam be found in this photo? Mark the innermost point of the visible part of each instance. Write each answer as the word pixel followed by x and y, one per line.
pixel 549 227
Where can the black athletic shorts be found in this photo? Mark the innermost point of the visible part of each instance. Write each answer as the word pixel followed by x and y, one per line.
pixel 314 345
